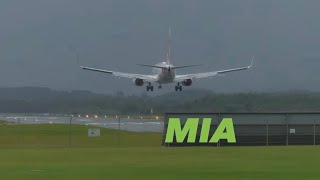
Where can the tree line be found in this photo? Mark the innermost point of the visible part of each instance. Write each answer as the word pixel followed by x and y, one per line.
pixel 45 100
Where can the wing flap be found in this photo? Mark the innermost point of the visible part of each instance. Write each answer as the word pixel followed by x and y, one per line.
pixel 96 70
pixel 180 78
pixel 148 78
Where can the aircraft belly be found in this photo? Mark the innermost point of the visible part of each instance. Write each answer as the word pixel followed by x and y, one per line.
pixel 166 78
pixel 165 81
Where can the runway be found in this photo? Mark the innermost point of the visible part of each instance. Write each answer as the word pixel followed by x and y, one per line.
pixel 135 125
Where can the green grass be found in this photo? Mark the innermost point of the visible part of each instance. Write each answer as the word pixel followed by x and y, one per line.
pixel 2 123
pixel 126 155
pixel 58 135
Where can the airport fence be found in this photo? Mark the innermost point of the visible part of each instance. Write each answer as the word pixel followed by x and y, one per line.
pixel 252 129
pixel 260 129
pixel 74 132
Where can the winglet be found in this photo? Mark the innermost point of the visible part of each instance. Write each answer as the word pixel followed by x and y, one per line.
pixel 251 62
pixel 78 60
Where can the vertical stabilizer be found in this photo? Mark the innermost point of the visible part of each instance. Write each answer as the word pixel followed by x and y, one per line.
pixel 169 48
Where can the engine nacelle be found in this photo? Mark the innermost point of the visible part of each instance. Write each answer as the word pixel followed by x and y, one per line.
pixel 187 82
pixel 138 82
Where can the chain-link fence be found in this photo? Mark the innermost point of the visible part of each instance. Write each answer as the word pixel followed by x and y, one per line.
pixel 260 129
pixel 77 131
pixel 252 129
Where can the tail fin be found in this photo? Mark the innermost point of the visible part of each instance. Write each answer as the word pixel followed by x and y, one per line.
pixel 169 48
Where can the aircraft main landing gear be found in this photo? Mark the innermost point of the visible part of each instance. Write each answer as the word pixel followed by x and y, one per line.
pixel 178 87
pixel 149 87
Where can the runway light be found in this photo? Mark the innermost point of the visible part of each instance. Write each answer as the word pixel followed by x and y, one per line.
pixel 116 116
pixel 79 116
pixel 128 117
pixel 50 122
pixel 105 117
pixel 25 119
pixel 157 117
pixel 36 120
pixel 96 116
pixel 141 117
pixel 87 116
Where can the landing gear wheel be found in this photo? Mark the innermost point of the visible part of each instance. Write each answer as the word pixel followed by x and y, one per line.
pixel 149 88
pixel 178 87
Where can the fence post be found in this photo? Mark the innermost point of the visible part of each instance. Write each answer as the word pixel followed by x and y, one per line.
pixel 70 135
pixel 267 132
pixel 119 128
pixel 219 120
pixel 287 129
pixel 314 132
pixel 119 133
pixel 19 132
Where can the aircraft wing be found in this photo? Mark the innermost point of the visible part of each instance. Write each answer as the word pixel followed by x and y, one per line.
pixel 148 78
pixel 180 78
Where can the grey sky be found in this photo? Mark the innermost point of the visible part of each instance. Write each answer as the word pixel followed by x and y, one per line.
pixel 38 38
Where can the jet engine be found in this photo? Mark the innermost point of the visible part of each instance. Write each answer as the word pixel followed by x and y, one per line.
pixel 138 82
pixel 187 82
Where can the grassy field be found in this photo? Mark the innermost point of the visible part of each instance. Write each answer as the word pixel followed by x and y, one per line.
pixel 59 135
pixel 41 152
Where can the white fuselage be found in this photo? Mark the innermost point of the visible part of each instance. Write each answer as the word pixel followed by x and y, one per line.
pixel 166 74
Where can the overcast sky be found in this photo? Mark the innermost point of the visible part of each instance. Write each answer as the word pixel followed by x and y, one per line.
pixel 38 39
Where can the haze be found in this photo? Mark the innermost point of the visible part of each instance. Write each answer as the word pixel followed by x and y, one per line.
pixel 38 40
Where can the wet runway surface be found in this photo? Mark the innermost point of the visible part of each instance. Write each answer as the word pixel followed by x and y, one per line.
pixel 136 125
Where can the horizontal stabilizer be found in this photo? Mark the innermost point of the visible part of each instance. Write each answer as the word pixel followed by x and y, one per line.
pixel 179 67
pixel 174 67
pixel 152 66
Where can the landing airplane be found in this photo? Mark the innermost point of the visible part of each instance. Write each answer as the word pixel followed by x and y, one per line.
pixel 166 73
